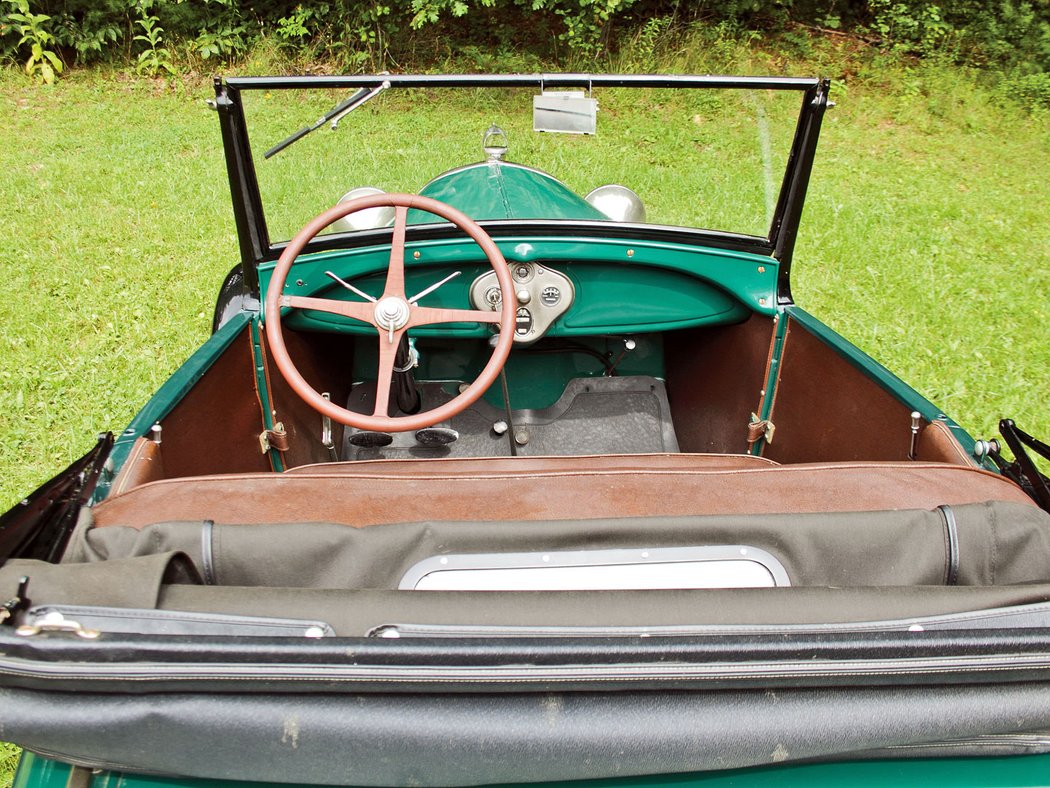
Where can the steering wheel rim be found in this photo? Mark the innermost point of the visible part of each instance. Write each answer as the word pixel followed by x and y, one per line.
pixel 392 314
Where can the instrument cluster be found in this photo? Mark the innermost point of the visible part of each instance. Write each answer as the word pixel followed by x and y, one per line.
pixel 542 294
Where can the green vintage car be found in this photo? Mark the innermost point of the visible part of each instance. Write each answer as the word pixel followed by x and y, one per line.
pixel 527 474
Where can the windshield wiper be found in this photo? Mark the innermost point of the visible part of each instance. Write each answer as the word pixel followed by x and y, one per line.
pixel 333 116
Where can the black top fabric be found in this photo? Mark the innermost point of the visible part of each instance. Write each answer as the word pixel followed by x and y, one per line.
pixel 989 544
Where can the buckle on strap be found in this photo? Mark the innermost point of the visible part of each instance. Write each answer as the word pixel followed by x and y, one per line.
pixel 758 429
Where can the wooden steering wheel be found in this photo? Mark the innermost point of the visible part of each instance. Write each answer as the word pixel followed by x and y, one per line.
pixel 392 314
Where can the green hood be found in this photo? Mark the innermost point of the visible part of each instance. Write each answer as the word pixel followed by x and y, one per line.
pixel 501 190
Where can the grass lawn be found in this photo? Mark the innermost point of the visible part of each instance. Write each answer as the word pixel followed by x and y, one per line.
pixel 926 241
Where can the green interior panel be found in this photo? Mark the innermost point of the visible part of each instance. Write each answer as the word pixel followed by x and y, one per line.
pixel 623 297
pixel 697 286
pixel 536 376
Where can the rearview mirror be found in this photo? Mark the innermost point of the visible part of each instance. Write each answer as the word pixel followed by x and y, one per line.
pixel 564 112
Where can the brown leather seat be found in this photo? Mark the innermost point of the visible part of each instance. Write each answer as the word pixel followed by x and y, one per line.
pixel 392 491
pixel 472 465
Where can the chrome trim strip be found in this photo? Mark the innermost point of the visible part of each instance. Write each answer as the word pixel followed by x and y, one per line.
pixel 951 535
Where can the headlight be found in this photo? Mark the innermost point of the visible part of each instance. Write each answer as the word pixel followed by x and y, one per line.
pixel 368 219
pixel 618 203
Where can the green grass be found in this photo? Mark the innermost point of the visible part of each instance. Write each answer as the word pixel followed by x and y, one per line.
pixel 926 239
pixel 697 157
pixel 9 755
pixel 926 242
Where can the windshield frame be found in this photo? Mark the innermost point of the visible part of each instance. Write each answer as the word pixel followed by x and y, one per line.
pixel 256 246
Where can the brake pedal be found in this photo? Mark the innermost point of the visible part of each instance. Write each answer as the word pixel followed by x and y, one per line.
pixel 436 436
pixel 367 439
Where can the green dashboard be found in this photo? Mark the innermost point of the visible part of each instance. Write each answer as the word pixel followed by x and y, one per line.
pixel 619 286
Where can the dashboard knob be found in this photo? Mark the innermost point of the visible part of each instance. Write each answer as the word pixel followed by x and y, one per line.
pixel 524 296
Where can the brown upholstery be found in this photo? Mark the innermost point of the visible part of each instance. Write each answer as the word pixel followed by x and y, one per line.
pixel 144 464
pixel 715 381
pixel 314 359
pixel 517 465
pixel 938 444
pixel 827 409
pixel 215 427
pixel 554 488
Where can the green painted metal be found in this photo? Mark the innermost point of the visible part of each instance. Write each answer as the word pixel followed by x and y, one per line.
pixel 502 190
pixel 535 378
pixel 1006 772
pixel 610 298
pixel 169 395
pixel 873 369
pixel 276 461
pixel 700 286
pixel 779 332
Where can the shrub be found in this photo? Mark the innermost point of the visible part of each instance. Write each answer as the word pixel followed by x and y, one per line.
pixel 1011 36
pixel 42 63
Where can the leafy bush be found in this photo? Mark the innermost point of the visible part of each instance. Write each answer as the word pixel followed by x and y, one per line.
pixel 1009 36
pixel 42 63
pixel 154 59
pixel 89 36
pixel 1029 90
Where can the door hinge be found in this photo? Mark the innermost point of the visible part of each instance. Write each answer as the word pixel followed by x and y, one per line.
pixel 760 429
pixel 276 439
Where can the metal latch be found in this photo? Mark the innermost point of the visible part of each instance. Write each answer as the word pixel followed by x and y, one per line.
pixel 56 622
pixel 759 429
pixel 276 439
pixel 326 431
pixel 916 428
pixel 17 603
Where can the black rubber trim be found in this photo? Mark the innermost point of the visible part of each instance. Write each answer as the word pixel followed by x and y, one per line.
pixel 511 228
pixel 524 81
pixel 534 651
pixel 951 534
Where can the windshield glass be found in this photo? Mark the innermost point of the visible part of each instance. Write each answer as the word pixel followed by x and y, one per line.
pixel 701 158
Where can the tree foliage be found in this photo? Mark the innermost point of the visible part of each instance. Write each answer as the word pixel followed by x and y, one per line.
pixel 157 36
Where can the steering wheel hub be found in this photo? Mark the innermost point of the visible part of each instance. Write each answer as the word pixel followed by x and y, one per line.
pixel 392 313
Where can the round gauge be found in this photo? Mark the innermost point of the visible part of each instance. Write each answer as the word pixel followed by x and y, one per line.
pixel 522 272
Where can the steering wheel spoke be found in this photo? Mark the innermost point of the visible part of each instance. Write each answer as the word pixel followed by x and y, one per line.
pixel 385 375
pixel 395 273
pixel 354 309
pixel 426 316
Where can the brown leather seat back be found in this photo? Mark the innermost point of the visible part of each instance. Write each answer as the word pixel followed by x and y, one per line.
pixel 375 493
